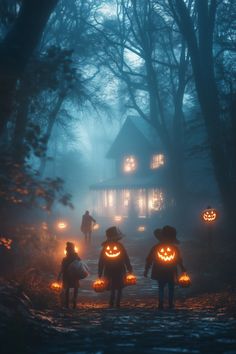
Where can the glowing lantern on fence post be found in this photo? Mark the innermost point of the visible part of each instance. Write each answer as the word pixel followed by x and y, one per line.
pixel 209 217
pixel 100 285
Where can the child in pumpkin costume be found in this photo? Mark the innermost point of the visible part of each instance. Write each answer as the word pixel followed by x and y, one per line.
pixel 164 258
pixel 113 264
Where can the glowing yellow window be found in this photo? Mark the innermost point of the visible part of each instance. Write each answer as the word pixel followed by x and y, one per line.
pixel 130 164
pixel 157 161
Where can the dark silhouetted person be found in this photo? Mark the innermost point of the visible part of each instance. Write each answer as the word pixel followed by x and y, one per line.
pixel 164 258
pixel 69 279
pixel 87 226
pixel 113 264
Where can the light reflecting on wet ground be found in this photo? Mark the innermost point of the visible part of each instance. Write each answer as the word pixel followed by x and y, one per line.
pixel 201 324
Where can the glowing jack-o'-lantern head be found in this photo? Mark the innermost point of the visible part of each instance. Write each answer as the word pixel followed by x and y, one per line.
pixel 166 254
pixel 112 250
pixel 209 215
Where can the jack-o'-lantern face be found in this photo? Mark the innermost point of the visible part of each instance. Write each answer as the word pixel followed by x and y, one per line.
pixel 209 215
pixel 112 250
pixel 56 286
pixel 166 254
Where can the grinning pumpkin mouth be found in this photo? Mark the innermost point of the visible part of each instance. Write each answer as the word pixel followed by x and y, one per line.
pixel 166 255
pixel 112 255
pixel 209 217
pixel 112 252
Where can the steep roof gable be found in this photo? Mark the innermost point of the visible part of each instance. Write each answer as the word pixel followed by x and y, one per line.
pixel 130 140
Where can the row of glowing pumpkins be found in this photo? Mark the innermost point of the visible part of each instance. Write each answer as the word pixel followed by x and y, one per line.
pixel 100 285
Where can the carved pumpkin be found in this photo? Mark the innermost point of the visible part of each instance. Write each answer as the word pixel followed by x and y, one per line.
pixel 56 286
pixel 112 251
pixel 184 280
pixel 130 279
pixel 100 285
pixel 209 215
pixel 166 254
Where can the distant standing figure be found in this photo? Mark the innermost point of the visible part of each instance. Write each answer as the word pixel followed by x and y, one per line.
pixel 164 258
pixel 113 264
pixel 87 226
pixel 69 280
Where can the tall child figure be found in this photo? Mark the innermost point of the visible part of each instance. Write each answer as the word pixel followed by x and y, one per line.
pixel 164 258
pixel 114 263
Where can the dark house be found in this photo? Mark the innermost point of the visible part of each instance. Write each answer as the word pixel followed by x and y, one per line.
pixel 137 186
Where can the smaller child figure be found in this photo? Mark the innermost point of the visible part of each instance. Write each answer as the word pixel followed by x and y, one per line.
pixel 69 279
pixel 164 258
pixel 113 264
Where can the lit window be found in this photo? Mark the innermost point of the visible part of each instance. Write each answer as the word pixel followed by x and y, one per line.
pixel 130 164
pixel 109 199
pixel 157 161
pixel 126 198
pixel 156 200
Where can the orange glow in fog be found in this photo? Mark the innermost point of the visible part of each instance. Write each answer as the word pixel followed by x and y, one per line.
pixel 62 225
pixel 76 250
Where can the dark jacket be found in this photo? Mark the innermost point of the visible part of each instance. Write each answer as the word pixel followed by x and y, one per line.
pixel 67 279
pixel 114 268
pixel 164 271
pixel 87 223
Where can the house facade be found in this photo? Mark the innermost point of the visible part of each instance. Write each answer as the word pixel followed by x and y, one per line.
pixel 138 185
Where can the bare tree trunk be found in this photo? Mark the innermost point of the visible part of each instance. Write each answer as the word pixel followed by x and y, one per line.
pixel 17 142
pixel 17 48
pixel 203 69
pixel 51 122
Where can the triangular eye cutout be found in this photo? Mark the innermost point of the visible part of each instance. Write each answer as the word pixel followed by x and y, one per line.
pixel 112 251
pixel 166 254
